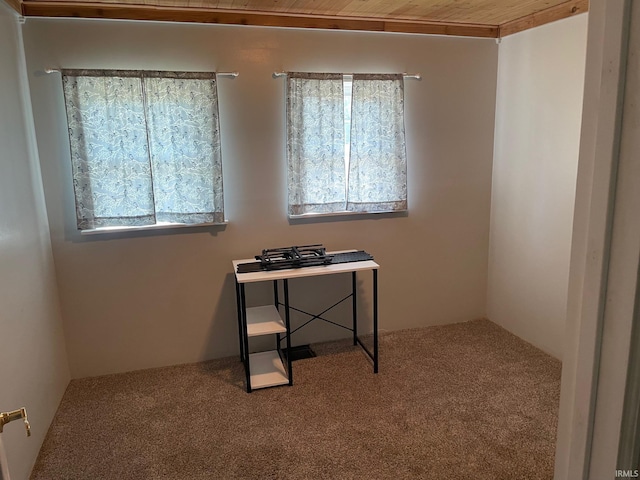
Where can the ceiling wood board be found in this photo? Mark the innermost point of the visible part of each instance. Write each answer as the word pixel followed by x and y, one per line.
pixel 15 5
pixel 475 18
pixel 492 12
pixel 126 12
pixel 567 9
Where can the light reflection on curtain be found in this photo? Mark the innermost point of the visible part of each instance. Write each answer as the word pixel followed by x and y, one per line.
pixel 315 147
pixel 378 163
pixel 145 147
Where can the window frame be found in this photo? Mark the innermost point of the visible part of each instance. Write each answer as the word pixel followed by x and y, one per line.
pixel 347 78
pixel 218 189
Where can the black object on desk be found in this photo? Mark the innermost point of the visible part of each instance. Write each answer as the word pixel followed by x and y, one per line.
pixel 300 257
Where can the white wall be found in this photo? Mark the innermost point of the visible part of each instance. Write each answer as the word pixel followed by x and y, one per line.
pixel 34 371
pixel 537 136
pixel 146 300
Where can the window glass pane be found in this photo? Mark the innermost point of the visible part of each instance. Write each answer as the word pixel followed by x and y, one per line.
pixel 348 87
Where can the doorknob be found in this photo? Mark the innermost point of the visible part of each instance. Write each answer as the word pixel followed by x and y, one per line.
pixel 7 417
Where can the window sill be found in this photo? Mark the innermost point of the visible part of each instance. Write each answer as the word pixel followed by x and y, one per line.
pixel 144 228
pixel 344 214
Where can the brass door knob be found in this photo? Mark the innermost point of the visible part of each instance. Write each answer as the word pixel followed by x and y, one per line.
pixel 7 417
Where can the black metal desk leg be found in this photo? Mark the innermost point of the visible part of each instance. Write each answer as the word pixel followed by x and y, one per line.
pixel 239 309
pixel 287 315
pixel 276 303
pixel 375 321
pixel 276 297
pixel 245 337
pixel 355 308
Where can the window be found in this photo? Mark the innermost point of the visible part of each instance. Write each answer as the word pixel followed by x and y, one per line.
pixel 145 148
pixel 346 147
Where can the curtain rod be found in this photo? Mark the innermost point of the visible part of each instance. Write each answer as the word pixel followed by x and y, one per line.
pixel 417 76
pixel 221 74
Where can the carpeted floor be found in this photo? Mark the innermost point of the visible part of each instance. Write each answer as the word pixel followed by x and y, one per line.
pixel 464 401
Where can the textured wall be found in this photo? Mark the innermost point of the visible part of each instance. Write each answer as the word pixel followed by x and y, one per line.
pixel 143 300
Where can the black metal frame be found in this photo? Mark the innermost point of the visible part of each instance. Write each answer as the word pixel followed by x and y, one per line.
pixel 244 338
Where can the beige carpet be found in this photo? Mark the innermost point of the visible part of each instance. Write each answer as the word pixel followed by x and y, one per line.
pixel 464 401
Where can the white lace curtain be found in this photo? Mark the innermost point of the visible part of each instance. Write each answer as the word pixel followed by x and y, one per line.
pixel 378 161
pixel 315 147
pixel 145 147
pixel 320 179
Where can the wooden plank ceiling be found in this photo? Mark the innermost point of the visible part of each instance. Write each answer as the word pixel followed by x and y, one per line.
pixel 481 18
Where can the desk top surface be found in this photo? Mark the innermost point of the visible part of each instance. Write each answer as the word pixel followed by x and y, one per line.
pixel 301 272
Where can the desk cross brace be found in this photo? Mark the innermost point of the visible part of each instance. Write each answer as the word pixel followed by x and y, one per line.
pixel 356 340
pixel 318 316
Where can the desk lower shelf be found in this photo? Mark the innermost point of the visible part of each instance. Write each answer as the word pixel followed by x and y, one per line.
pixel 267 370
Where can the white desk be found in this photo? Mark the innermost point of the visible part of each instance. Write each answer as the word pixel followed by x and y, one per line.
pixel 267 369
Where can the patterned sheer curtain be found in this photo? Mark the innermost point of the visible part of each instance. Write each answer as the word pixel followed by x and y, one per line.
pixel 145 147
pixel 378 162
pixel 184 140
pixel 315 147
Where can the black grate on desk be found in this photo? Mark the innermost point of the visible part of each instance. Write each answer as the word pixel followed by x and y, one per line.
pixel 347 257
pixel 300 257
